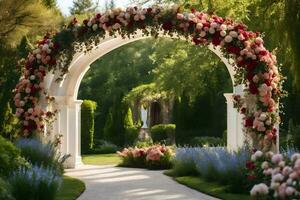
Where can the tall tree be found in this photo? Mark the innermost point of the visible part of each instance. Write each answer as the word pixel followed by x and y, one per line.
pixel 82 7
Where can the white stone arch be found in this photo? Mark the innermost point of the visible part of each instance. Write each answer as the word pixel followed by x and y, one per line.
pixel 68 122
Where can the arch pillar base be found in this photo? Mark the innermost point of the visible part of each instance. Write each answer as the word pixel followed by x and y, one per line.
pixel 68 125
pixel 235 135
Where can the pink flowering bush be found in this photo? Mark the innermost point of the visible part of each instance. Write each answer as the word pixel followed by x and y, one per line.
pixel 277 176
pixel 153 157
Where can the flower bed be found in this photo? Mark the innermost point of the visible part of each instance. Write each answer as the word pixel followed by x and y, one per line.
pixel 153 157
pixel 275 176
pixel 214 164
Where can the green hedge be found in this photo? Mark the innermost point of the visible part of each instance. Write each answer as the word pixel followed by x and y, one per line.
pixel 88 108
pixel 131 130
pixel 163 132
pixel 207 141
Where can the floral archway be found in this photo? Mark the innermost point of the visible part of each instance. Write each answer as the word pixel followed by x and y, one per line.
pixel 255 67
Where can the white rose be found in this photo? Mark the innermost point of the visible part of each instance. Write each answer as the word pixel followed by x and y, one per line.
pixel 228 39
pixel 223 27
pixel 199 26
pixel 89 23
pixel 202 34
pixel 95 27
pixel 262 116
pixel 223 33
pixel 213 25
pixel 211 30
pixel 143 17
pixel 32 77
pixel 265 165
pixel 233 34
pixel 38 56
pixel 45 47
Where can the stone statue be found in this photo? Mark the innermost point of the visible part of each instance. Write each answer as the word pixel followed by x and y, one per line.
pixel 144 116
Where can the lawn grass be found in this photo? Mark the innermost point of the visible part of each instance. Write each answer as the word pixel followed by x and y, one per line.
pixel 101 159
pixel 71 189
pixel 210 188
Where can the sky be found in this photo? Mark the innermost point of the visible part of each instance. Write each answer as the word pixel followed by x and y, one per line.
pixel 64 5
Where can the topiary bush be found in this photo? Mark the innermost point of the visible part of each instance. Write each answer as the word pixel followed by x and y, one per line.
pixel 88 108
pixel 131 130
pixel 35 183
pixel 163 133
pixel 10 158
pixel 104 147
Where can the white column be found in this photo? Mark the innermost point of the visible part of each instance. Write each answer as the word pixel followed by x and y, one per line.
pixel 68 124
pixel 74 125
pixel 235 135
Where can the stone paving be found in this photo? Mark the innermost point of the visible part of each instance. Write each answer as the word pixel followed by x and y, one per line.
pixel 116 183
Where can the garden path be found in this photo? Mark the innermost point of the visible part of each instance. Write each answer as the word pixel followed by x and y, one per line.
pixel 115 183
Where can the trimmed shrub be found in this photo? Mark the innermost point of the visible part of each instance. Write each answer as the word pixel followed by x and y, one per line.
pixel 142 144
pixel 88 108
pixel 131 130
pixel 104 147
pixel 10 158
pixel 163 133
pixel 5 191
pixel 35 183
pixel 40 154
pixel 207 141
pixel 131 135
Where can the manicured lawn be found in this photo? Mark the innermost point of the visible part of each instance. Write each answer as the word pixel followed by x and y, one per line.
pixel 71 189
pixel 101 159
pixel 212 189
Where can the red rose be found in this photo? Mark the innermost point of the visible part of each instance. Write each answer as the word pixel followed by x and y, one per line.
pixel 249 122
pixel 250 165
pixel 149 10
pixel 98 16
pixel 241 63
pixel 167 26
pixel 233 49
pixel 252 88
pixel 251 177
pixel 197 41
pixel 243 110
pixel 250 76
pixel 268 82
pixel 251 65
pixel 216 40
pixel 263 53
pixel 193 10
pixel 85 22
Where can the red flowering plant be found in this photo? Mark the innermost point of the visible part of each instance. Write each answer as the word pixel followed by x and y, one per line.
pixel 255 66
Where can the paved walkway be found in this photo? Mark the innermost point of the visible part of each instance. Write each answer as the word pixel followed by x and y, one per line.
pixel 115 183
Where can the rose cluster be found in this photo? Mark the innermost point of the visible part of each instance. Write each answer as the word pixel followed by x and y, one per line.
pixel 280 175
pixel 29 89
pixel 155 156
